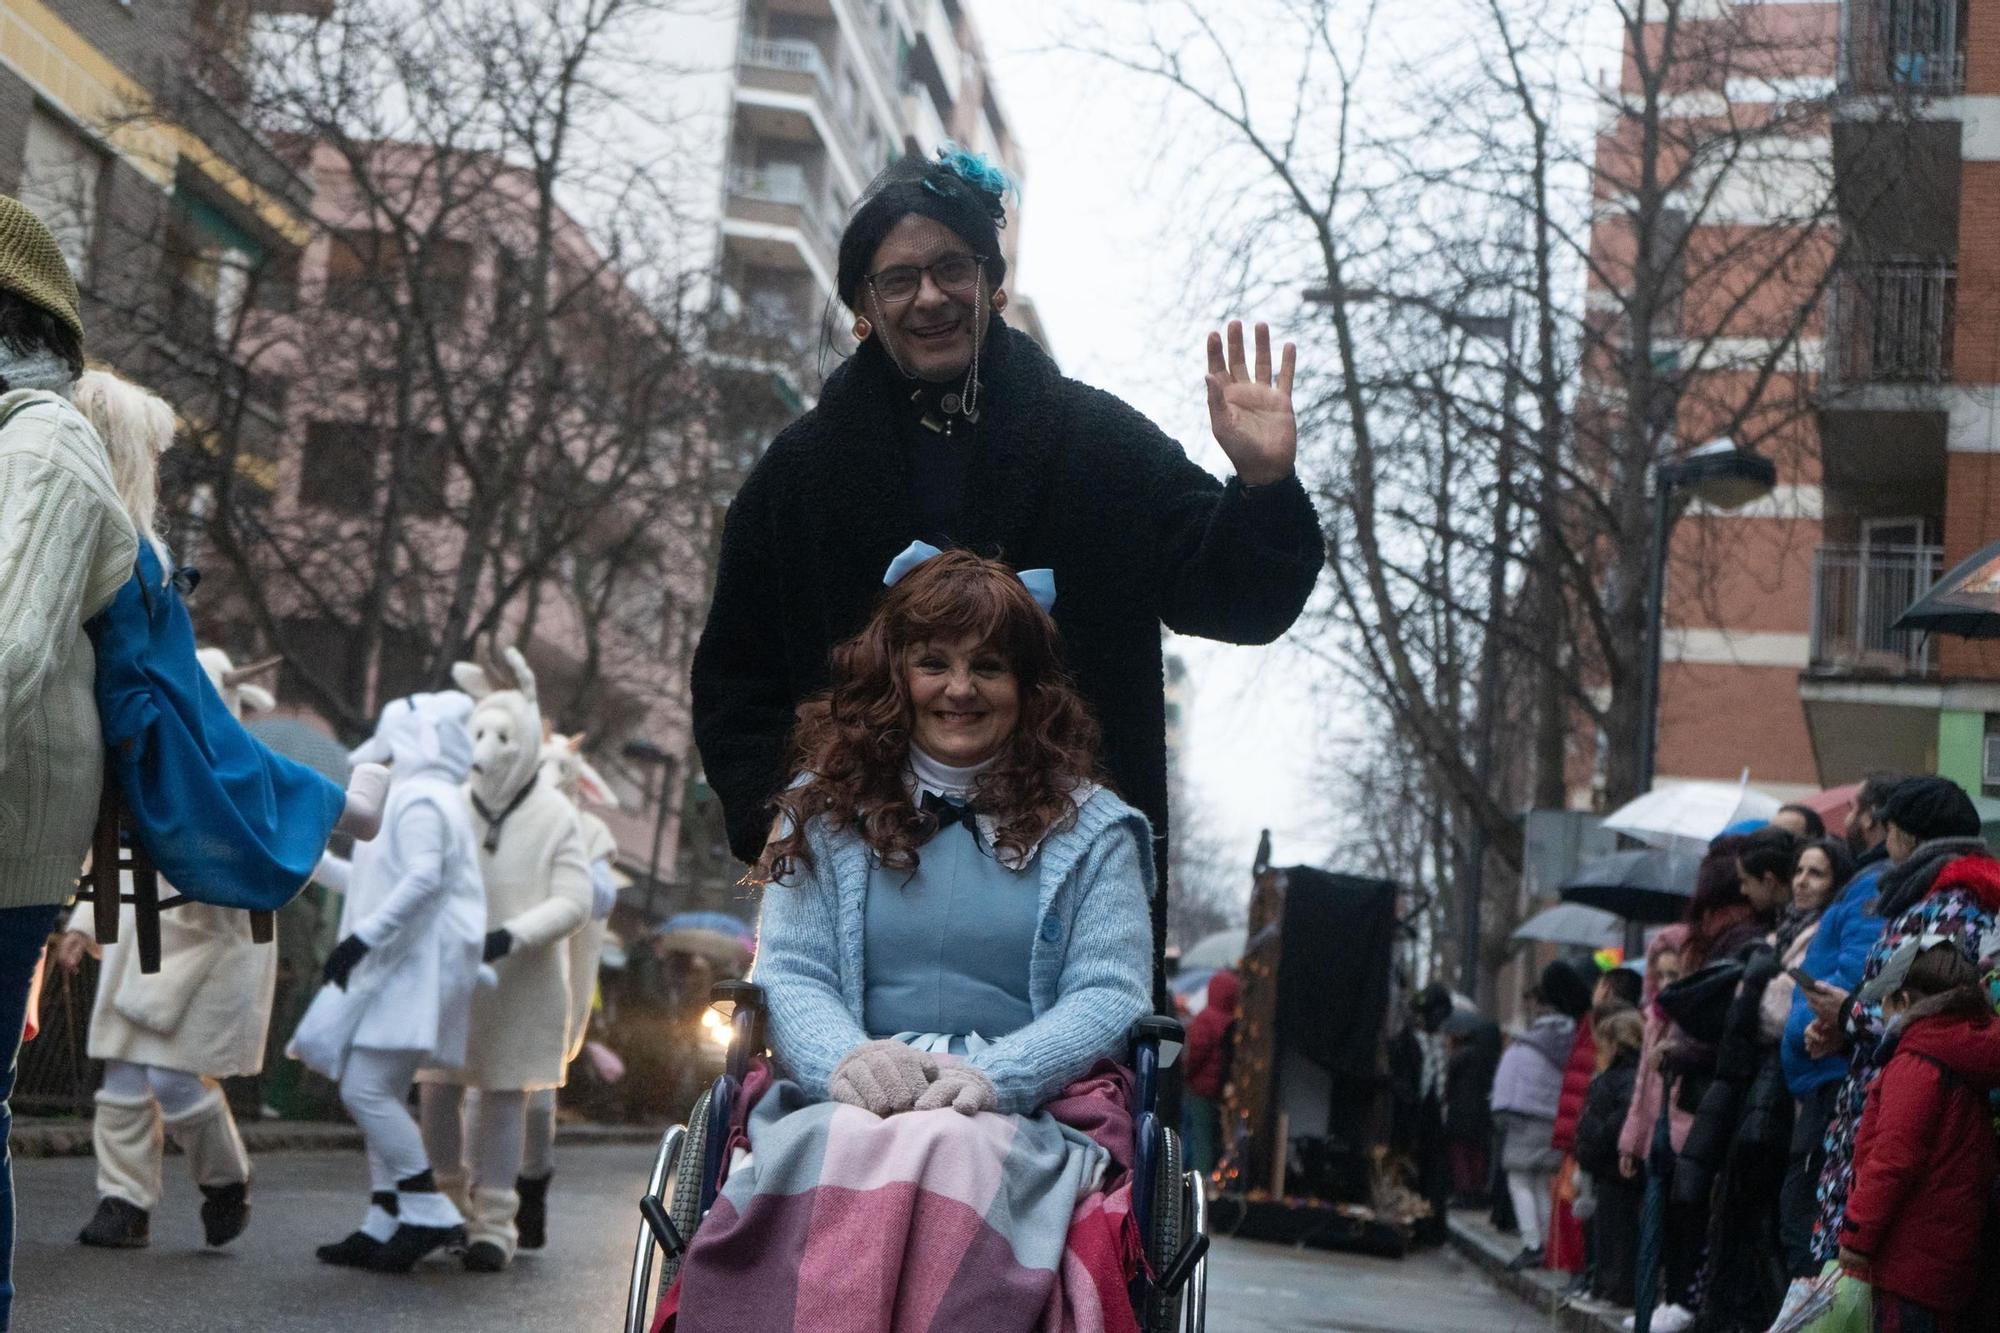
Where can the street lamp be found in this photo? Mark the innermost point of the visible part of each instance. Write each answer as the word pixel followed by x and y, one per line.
pixel 1719 475
pixel 661 779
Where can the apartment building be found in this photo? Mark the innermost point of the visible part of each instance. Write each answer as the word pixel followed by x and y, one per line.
pixel 1908 428
pixel 1778 656
pixel 382 447
pixel 825 93
pixel 119 126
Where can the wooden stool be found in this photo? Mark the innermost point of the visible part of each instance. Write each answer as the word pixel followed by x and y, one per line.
pixel 100 885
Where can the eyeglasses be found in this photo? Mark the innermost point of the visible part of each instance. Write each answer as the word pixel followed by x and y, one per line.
pixel 954 275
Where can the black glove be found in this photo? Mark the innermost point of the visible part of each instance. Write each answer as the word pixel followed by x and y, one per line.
pixel 498 942
pixel 341 961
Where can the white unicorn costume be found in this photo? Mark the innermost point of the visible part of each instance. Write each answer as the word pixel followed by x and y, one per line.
pixel 400 982
pixel 565 768
pixel 537 895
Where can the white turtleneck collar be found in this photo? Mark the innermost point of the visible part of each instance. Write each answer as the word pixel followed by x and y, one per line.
pixel 954 784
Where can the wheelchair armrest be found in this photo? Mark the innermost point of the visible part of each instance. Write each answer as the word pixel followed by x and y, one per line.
pixel 1165 1035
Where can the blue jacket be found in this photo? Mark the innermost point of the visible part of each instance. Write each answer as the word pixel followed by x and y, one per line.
pixel 226 820
pixel 1089 969
pixel 1838 952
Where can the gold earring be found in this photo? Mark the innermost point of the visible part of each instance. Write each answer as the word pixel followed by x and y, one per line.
pixel 862 329
pixel 1000 299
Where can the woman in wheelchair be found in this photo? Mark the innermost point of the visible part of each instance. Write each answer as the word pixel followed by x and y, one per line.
pixel 955 922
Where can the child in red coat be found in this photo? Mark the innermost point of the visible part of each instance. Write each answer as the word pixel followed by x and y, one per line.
pixel 1925 1157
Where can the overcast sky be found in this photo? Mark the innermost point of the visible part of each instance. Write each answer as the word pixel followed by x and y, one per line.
pixel 1103 258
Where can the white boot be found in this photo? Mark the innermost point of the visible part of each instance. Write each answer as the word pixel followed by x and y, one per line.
pixel 127 1140
pixel 207 1133
pixel 425 1221
pixel 490 1236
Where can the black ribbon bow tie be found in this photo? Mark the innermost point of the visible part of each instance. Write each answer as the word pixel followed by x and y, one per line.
pixel 948 812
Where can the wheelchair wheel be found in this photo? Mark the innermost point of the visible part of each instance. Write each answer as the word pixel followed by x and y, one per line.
pixel 1164 1236
pixel 642 1296
pixel 676 1183
pixel 684 1204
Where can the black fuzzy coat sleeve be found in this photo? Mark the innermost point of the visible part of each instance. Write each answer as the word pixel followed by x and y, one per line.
pixel 1232 564
pixel 742 692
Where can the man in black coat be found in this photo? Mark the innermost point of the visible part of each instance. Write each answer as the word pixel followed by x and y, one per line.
pixel 950 427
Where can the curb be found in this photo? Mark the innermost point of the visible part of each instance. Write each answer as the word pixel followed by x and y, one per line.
pixel 1490 1252
pixel 71 1138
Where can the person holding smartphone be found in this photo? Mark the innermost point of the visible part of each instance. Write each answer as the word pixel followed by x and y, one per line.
pixel 1834 955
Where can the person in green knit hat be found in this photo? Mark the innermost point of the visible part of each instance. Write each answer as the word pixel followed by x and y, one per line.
pixel 66 547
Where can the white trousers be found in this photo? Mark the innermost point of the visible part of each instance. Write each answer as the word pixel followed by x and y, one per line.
pixel 1533 1196
pixel 538 1153
pixel 486 1147
pixel 373 1088
pixel 177 1091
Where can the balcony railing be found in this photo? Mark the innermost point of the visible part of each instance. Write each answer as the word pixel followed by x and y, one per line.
pixel 800 58
pixel 1914 47
pixel 1892 324
pixel 1858 591
pixel 794 55
pixel 790 189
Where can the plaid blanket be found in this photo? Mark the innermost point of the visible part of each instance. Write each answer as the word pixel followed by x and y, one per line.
pixel 836 1221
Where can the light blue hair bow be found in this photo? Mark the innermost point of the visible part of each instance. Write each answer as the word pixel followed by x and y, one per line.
pixel 1040 583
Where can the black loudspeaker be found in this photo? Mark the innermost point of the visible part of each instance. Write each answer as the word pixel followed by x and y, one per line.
pixel 1335 963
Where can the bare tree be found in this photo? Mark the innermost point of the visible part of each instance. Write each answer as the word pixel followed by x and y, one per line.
pixel 462 407
pixel 1527 297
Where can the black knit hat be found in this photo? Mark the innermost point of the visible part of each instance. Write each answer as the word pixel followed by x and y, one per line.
pixel 961 190
pixel 1565 989
pixel 1927 808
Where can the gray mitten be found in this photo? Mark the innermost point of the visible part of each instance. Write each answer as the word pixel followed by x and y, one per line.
pixel 962 1088
pixel 882 1076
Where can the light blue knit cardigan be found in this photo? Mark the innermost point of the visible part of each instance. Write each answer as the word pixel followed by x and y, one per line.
pixel 1089 975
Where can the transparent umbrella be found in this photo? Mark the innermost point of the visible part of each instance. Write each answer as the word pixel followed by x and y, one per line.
pixel 1687 815
pixel 1572 923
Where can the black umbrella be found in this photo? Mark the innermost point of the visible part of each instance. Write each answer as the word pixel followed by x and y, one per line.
pixel 1651 885
pixel 1965 602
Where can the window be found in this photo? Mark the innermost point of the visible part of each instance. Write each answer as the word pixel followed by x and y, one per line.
pixel 60 170
pixel 510 284
pixel 275 284
pixel 444 268
pixel 423 474
pixel 210 266
pixel 360 271
pixel 338 467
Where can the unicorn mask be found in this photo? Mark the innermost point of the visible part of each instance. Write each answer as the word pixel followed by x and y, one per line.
pixel 424 731
pixel 506 731
pixel 564 766
pixel 232 682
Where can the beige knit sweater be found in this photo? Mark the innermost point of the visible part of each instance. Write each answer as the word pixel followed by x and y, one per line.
pixel 66 547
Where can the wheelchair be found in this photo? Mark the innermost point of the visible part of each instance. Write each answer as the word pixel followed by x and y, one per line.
pixel 1169 1201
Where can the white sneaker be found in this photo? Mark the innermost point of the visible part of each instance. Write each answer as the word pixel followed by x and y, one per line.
pixel 1672 1319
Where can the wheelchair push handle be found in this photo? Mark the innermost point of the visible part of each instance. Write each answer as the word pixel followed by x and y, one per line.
pixel 735 993
pixel 1166 1034
pixel 743 1002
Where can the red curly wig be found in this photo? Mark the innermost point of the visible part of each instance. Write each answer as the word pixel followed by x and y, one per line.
pixel 853 740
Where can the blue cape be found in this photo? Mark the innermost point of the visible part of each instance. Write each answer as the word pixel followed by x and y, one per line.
pixel 227 820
